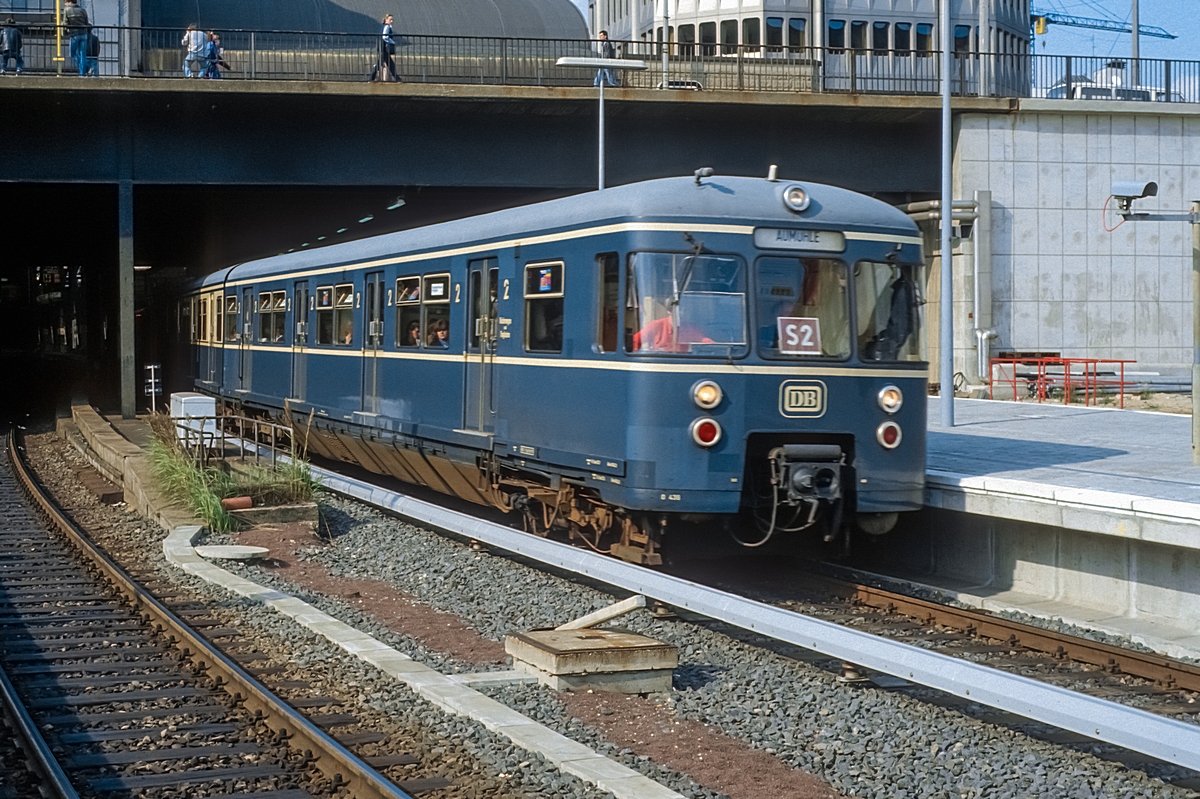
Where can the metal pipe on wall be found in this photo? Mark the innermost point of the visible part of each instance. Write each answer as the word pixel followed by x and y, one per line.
pixel 946 339
pixel 981 237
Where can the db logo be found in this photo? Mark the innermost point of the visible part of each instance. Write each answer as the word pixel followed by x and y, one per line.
pixel 802 398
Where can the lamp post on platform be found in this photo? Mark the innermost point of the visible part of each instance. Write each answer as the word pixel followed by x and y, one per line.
pixel 1125 192
pixel 621 64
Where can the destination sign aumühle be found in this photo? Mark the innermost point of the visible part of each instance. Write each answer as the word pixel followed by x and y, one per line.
pixel 782 238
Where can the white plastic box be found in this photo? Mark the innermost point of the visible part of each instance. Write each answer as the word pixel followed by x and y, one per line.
pixel 190 405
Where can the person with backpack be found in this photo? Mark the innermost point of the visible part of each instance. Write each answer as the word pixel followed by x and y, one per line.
pixel 75 20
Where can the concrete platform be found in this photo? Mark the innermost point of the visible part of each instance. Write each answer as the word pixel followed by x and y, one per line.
pixel 1084 514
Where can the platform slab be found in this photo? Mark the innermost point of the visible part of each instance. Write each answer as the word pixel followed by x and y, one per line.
pixel 1127 474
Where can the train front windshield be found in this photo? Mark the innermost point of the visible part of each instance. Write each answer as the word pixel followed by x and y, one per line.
pixel 685 304
pixel 888 321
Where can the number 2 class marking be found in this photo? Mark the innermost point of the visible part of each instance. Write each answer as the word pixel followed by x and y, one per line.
pixel 506 288
pixel 457 291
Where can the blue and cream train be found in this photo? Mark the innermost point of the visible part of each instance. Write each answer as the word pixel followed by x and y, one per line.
pixel 615 365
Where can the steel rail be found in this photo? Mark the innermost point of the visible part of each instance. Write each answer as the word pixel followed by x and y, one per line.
pixel 54 782
pixel 333 759
pixel 1147 665
pixel 1109 722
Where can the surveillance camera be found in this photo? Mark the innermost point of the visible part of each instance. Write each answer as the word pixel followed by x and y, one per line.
pixel 1126 191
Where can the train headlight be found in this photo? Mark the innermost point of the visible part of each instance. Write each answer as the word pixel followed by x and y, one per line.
pixel 705 431
pixel 707 394
pixel 890 399
pixel 796 198
pixel 888 435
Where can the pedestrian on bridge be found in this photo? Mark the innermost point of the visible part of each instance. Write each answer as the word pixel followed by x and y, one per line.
pixel 195 41
pixel 10 46
pixel 78 27
pixel 214 56
pixel 607 50
pixel 385 65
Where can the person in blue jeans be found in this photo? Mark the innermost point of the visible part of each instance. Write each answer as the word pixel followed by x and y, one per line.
pixel 75 19
pixel 607 50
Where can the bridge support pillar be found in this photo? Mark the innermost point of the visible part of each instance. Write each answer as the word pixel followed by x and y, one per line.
pixel 125 329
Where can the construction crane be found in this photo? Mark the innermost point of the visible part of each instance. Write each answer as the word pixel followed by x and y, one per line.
pixel 1040 20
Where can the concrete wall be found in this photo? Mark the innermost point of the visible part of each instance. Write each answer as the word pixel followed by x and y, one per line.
pixel 1061 282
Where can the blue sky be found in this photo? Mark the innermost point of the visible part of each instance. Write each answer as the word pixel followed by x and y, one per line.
pixel 1181 17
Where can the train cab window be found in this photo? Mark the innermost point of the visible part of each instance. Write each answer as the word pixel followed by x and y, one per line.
pixel 343 313
pixel 685 304
pixel 796 34
pixel 802 308
pixel 408 312
pixel 886 308
pixel 436 307
pixel 324 303
pixel 544 307
pixel 835 40
pixel 610 276
pixel 231 322
pixel 903 38
pixel 924 40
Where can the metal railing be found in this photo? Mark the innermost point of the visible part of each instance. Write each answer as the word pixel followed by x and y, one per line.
pixel 299 55
pixel 205 438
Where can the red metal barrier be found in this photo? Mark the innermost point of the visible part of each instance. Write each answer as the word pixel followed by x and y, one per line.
pixel 1070 375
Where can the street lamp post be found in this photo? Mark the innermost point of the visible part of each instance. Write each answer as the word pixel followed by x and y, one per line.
pixel 620 64
pixel 1125 192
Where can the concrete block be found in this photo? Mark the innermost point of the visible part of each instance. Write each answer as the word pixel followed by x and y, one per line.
pixel 537 738
pixel 493 678
pixel 1169 509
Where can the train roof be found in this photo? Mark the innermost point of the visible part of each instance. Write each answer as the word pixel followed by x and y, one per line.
pixel 721 199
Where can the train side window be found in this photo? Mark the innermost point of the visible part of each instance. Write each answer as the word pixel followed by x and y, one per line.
pixel 408 312
pixel 324 314
pixel 544 307
pixel 343 313
pixel 264 316
pixel 231 317
pixel 279 314
pixel 610 276
pixel 218 318
pixel 436 308
pixel 202 320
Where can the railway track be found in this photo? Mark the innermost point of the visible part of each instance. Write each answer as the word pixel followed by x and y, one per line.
pixel 111 693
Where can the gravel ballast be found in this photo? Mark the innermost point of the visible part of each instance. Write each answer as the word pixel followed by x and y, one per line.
pixel 865 742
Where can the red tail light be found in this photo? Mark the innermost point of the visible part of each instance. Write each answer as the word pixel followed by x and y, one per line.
pixel 705 431
pixel 889 435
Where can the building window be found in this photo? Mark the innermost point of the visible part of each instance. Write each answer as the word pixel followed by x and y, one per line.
pixel 796 37
pixel 924 39
pixel 750 34
pixel 903 37
pixel 774 33
pixel 962 38
pixel 858 36
pixel 544 307
pixel 708 37
pixel 836 39
pixel 687 37
pixel 729 37
pixel 879 37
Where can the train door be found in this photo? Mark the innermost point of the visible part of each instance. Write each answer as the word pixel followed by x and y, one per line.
pixel 246 339
pixel 299 339
pixel 372 340
pixel 479 410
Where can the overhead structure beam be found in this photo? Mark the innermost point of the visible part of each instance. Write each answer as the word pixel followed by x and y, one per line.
pixel 1111 25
